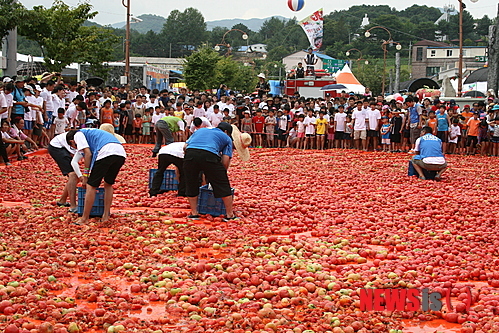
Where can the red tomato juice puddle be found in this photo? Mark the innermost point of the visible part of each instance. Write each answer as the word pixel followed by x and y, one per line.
pixel 437 325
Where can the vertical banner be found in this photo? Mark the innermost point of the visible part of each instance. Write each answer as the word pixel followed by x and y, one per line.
pixel 313 27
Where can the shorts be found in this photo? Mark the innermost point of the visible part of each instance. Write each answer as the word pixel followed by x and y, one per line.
pixel 146 130
pixel 442 135
pixel 494 139
pixel 331 137
pixel 395 137
pixel 359 134
pixel 129 129
pixel 310 135
pixel 300 134
pixel 321 135
pixel 197 160
pixel 385 141
pixel 38 129
pixel 485 139
pixel 49 121
pixel 372 134
pixel 431 167
pixel 347 136
pixel 280 134
pixel 406 133
pixel 137 131
pixel 107 168
pixel 471 141
pixel 63 159
pixel 464 132
pixel 339 135
pixel 28 124
pixel 414 134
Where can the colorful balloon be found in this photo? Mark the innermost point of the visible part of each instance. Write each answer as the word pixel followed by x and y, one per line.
pixel 296 5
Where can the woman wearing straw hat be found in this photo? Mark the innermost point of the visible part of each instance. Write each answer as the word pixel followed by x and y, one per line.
pixel 210 150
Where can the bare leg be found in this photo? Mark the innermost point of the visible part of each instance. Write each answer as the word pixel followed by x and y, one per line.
pixel 193 202
pixel 71 187
pixel 228 201
pixel 108 200
pixel 419 170
pixel 89 202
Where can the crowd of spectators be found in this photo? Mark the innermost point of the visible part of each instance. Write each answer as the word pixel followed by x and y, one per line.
pixel 34 111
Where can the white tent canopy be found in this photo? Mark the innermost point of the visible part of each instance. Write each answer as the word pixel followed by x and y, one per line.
pixel 346 78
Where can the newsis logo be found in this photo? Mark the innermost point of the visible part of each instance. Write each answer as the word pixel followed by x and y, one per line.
pixel 406 300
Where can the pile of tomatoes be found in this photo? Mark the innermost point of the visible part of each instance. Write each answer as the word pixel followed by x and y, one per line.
pixel 314 229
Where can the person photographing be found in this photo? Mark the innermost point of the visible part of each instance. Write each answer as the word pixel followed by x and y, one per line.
pixel 430 154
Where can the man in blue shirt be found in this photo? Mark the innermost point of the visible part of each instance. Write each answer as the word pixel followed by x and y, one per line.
pixel 430 155
pixel 209 150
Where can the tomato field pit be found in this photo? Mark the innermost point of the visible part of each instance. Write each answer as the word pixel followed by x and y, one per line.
pixel 314 228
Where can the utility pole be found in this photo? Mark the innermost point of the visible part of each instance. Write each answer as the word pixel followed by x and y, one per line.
pixel 9 48
pixel 396 87
pixel 460 65
pixel 127 41
pixel 493 76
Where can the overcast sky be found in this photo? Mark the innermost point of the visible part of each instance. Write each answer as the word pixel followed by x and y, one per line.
pixel 112 11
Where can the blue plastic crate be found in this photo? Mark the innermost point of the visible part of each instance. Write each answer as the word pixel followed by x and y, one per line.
pixel 169 182
pixel 208 204
pixel 98 207
pixel 427 173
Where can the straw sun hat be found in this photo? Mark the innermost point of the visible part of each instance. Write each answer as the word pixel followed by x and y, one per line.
pixel 241 141
pixel 110 128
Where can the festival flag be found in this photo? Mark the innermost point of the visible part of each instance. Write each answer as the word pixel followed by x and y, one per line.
pixel 313 27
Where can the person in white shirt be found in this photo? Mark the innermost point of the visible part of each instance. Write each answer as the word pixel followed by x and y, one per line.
pixel 309 123
pixel 62 154
pixel 373 117
pixel 215 117
pixel 167 155
pixel 200 122
pixel 72 93
pixel 359 117
pixel 153 102
pixel 104 156
pixel 8 101
pixel 48 105
pixel 199 111
pixel 340 120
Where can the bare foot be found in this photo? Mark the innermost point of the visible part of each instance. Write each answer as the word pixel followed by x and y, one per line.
pixel 81 221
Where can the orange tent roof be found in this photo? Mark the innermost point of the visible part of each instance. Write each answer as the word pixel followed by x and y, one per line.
pixel 345 76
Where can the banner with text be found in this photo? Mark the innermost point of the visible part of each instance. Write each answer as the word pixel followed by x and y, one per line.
pixel 313 27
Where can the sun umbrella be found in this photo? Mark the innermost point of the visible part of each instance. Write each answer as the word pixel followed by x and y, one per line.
pixel 333 87
pixel 94 81
pixel 474 93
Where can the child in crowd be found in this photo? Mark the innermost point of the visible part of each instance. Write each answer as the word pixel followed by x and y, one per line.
pixel 385 134
pixel 454 135
pixel 292 137
pixel 432 122
pixel 348 132
pixel 61 123
pixel 246 122
pixel 472 140
pixel 146 126
pixel 137 127
pixel 270 123
pixel 330 133
pixel 483 137
pixel 116 121
pixel 396 132
pixel 300 131
pixel 258 122
pixel 495 137
pixel 320 130
pixel 309 123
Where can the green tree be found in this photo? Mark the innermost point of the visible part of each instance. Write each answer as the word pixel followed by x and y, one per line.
pixel 482 26
pixel 234 74
pixel 185 31
pixel 62 37
pixel 200 69
pixel 11 12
